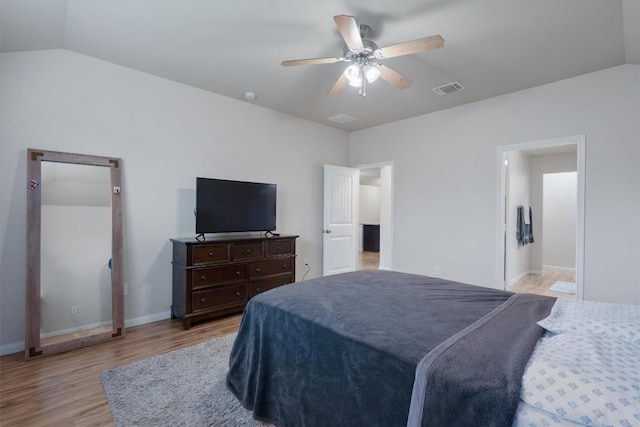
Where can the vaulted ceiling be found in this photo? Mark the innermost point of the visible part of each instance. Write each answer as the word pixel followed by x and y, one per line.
pixel 492 47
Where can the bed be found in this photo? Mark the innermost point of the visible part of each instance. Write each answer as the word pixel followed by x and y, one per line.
pixel 382 348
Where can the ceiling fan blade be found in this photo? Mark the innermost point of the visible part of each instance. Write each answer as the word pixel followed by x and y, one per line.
pixel 350 32
pixel 311 61
pixel 394 78
pixel 338 85
pixel 415 46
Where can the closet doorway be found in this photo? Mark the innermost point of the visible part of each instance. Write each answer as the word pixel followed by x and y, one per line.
pixel 545 178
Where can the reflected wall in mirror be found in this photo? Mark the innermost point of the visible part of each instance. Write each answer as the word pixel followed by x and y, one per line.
pixel 74 249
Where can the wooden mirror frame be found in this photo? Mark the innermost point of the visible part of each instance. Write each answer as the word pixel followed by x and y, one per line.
pixel 32 347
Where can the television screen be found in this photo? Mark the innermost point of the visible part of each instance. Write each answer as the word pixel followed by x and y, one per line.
pixel 228 206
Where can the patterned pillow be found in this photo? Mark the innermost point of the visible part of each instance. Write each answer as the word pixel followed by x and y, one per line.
pixel 586 379
pixel 591 317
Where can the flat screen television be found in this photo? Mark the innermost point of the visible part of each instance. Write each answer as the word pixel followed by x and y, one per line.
pixel 230 206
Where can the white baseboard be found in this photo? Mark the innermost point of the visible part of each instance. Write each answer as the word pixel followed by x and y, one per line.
pixel 517 279
pixel 19 346
pixel 522 276
pixel 147 319
pixel 559 268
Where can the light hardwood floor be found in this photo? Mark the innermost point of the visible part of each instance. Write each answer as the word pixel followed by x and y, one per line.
pixel 368 260
pixel 65 389
pixel 540 284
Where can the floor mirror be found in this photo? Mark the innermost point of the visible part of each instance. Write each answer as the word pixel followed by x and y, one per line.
pixel 74 277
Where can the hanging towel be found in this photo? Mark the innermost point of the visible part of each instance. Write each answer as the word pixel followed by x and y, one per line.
pixel 524 225
pixel 519 223
pixel 530 227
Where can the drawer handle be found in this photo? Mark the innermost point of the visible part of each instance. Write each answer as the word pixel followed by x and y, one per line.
pixel 257 270
pixel 248 251
pixel 238 293
pixel 210 253
pixel 237 273
pixel 284 266
pixel 203 277
pixel 202 300
pixel 279 248
pixel 257 289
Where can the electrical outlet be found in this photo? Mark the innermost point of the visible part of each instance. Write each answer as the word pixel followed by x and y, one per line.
pixel 80 309
pixel 436 270
pixel 74 309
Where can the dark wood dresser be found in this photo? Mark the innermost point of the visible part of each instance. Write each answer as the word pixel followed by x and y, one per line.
pixel 218 276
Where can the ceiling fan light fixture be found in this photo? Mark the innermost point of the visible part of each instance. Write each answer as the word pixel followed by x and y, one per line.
pixel 356 82
pixel 372 73
pixel 365 56
pixel 352 72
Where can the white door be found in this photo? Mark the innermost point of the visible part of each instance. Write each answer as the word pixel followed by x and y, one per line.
pixel 340 219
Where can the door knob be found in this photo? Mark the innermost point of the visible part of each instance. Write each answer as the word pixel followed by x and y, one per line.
pixel 327 231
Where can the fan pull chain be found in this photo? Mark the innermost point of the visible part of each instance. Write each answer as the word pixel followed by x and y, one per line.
pixel 363 88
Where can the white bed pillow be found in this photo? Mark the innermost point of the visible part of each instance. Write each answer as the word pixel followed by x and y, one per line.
pixel 586 379
pixel 591 317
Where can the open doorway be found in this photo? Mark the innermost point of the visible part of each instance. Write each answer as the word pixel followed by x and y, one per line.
pixel 342 239
pixel 542 217
pixel 369 219
pixel 374 217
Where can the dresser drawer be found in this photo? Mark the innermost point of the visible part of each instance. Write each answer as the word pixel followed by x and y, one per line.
pixel 219 297
pixel 244 251
pixel 278 247
pixel 271 267
pixel 202 277
pixel 210 253
pixel 260 286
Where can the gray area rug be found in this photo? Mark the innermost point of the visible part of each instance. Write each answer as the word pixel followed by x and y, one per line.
pixel 185 387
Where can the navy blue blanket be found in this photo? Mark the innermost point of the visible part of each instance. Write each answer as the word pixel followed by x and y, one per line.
pixel 343 350
pixel 474 377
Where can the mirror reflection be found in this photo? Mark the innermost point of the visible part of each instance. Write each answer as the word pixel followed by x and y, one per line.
pixel 74 284
pixel 75 250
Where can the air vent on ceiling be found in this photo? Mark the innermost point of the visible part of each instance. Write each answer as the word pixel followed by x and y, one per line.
pixel 448 88
pixel 342 118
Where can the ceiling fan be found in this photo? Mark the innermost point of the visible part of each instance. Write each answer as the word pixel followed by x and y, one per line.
pixel 365 56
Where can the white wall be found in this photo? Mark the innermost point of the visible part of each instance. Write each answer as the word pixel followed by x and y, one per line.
pixel 369 204
pixel 559 201
pixel 75 247
pixel 540 166
pixel 445 178
pixel 75 250
pixel 518 189
pixel 167 134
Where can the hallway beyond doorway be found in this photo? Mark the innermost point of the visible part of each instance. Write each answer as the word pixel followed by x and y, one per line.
pixel 540 284
pixel 368 260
